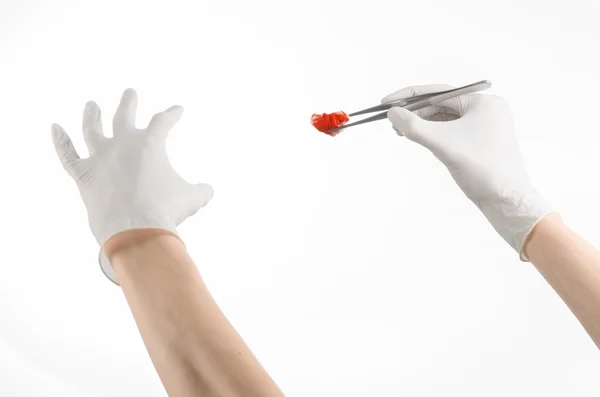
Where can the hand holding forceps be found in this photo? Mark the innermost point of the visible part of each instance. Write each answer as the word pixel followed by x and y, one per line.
pixel 415 102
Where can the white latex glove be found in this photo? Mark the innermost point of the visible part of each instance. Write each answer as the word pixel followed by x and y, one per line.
pixel 127 182
pixel 473 135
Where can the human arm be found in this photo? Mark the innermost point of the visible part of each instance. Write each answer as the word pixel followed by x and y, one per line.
pixel 135 200
pixel 194 348
pixel 473 136
pixel 571 266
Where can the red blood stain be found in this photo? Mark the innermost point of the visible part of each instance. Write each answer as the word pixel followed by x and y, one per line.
pixel 326 122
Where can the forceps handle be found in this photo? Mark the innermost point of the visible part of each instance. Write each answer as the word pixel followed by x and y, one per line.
pixel 427 100
pixel 478 86
pixel 445 95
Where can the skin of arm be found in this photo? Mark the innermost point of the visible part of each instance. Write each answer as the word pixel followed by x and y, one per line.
pixel 193 347
pixel 571 266
pixel 135 201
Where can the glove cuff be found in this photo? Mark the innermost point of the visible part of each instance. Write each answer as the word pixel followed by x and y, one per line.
pixel 107 267
pixel 125 224
pixel 514 215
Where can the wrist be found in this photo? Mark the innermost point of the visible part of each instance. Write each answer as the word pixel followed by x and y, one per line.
pixel 540 231
pixel 117 222
pixel 131 241
pixel 514 214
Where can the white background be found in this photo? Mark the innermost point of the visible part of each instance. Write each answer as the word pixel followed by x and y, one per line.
pixel 352 266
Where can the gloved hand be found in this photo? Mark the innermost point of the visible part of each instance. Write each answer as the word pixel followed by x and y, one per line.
pixel 473 135
pixel 127 182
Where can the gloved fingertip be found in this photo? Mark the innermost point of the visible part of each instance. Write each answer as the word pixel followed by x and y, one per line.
pixel 91 108
pixel 407 116
pixel 175 111
pixel 397 114
pixel 400 111
pixel 57 131
pixel 129 96
pixel 405 122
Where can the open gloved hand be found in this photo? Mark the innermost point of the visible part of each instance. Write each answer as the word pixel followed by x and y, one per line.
pixel 473 135
pixel 127 182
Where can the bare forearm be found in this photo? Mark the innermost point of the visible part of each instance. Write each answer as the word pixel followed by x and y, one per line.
pixel 192 345
pixel 571 266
